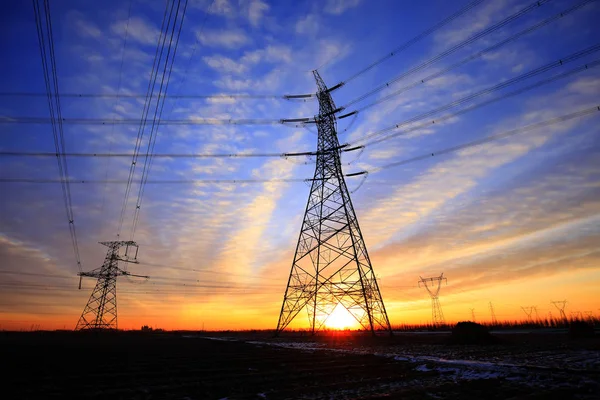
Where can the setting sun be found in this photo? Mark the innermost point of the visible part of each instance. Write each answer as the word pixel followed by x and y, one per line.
pixel 340 318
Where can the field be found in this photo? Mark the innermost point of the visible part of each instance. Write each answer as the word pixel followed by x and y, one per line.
pixel 254 365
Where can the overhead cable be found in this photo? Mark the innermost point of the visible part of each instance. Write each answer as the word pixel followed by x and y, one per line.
pixel 8 119
pixel 54 106
pixel 222 96
pixel 471 39
pixel 414 40
pixel 474 56
pixel 158 114
pixel 488 139
pixel 582 68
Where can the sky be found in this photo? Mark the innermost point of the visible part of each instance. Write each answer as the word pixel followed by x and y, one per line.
pixel 514 222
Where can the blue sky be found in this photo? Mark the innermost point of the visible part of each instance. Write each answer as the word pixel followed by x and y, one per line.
pixel 505 221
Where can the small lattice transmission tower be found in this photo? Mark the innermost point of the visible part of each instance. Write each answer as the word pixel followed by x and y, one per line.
pixel 494 319
pixel 100 311
pixel 529 312
pixel 473 315
pixel 433 286
pixel 331 266
pixel 560 306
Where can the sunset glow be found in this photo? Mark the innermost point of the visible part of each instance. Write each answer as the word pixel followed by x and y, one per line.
pixel 462 164
pixel 340 318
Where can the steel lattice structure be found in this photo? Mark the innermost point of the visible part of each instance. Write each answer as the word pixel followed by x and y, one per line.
pixel 437 316
pixel 331 265
pixel 560 306
pixel 494 320
pixel 100 311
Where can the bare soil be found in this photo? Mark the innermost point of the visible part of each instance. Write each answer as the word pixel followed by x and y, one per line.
pixel 254 365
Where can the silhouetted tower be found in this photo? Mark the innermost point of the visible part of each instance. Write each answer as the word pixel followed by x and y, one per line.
pixel 100 311
pixel 331 265
pixel 560 306
pixel 472 314
pixel 528 311
pixel 437 316
pixel 494 320
pixel 535 311
pixel 576 315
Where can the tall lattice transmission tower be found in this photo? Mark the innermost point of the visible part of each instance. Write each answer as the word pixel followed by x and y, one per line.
pixel 331 266
pixel 100 311
pixel 494 319
pixel 433 286
pixel 473 315
pixel 560 306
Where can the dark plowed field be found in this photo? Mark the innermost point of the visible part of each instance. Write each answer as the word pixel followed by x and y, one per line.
pixel 173 366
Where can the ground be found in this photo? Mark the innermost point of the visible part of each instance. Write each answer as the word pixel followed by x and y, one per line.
pixel 254 365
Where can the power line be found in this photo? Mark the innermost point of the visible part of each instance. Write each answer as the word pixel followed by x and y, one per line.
pixel 153 182
pixel 171 155
pixel 53 98
pixel 449 51
pixel 519 91
pixel 118 98
pixel 241 154
pixel 563 118
pixel 204 271
pixel 149 92
pixel 223 96
pixel 415 39
pixel 157 116
pixel 474 143
pixel 6 119
pixel 229 290
pixel 474 56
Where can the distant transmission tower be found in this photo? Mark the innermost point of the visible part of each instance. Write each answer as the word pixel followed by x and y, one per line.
pixel 331 265
pixel 100 311
pixel 576 315
pixel 528 311
pixel 433 289
pixel 494 320
pixel 473 314
pixel 560 306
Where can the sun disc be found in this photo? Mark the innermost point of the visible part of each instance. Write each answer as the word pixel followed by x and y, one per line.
pixel 340 318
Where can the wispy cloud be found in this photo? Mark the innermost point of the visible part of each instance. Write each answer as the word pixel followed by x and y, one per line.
pixel 338 7
pixel 230 39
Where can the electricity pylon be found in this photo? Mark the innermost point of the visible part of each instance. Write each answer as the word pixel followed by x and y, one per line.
pixel 494 320
pixel 528 311
pixel 576 316
pixel 560 306
pixel 437 315
pixel 331 265
pixel 472 314
pixel 100 311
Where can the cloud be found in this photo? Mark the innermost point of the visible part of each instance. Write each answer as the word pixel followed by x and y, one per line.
pixel 230 39
pixel 483 16
pixel 221 7
pixel 338 7
pixel 307 25
pixel 137 29
pixel 255 10
pixel 84 27
pixel 224 64
pixel 271 53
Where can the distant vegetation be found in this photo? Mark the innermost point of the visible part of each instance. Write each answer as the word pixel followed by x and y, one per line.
pixel 500 325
